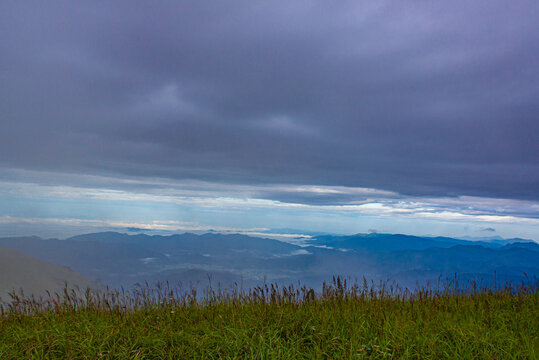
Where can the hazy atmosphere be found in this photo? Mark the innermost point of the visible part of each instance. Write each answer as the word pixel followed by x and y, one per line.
pixel 270 117
pixel 269 179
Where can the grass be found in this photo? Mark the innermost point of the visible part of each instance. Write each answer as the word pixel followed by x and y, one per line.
pixel 341 322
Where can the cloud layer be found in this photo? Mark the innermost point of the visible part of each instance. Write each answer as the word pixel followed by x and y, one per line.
pixel 429 99
pixel 244 116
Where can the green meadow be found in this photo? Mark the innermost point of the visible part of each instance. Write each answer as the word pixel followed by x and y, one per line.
pixel 341 321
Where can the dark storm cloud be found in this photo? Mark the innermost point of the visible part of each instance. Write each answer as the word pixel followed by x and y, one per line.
pixel 436 98
pixel 310 198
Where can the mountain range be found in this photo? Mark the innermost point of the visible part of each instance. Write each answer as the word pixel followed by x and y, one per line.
pixel 117 259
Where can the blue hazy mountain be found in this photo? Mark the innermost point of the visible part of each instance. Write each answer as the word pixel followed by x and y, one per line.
pixel 523 245
pixel 122 260
pixel 376 242
pixel 210 243
pixel 497 240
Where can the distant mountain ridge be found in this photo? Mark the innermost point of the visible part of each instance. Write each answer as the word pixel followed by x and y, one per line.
pixel 394 242
pixel 523 245
pixel 121 260
pixel 496 239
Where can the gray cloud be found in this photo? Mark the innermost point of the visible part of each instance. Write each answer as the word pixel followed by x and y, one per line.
pixel 425 99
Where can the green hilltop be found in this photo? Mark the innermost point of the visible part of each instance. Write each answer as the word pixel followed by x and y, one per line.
pixel 268 322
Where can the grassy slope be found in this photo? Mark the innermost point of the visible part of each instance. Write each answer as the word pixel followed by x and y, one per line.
pixel 34 276
pixel 485 326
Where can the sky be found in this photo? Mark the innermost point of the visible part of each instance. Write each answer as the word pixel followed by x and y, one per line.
pixel 248 116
